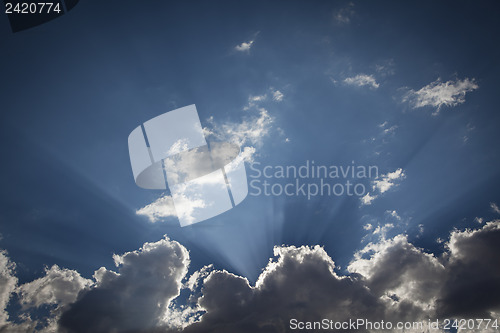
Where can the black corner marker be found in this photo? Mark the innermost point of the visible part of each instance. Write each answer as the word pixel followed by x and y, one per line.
pixel 26 14
pixel 70 4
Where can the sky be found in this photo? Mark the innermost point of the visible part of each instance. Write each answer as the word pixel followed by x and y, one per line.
pixel 407 88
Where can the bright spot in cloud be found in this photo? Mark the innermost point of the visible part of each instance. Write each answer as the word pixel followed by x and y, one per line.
pixel 244 47
pixel 382 184
pixel 361 80
pixel 437 94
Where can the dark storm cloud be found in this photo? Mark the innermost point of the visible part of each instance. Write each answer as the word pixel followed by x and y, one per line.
pixel 300 284
pixel 472 287
pixel 390 280
pixel 137 296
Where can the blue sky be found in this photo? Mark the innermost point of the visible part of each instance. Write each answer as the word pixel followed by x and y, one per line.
pixel 409 86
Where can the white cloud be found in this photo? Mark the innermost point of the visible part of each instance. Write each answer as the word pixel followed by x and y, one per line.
pixel 438 94
pixel 162 207
pixel 388 180
pixel 382 231
pixel 382 184
pixel 249 134
pixel 278 96
pixel 8 283
pixel 245 46
pixel 361 80
pixel 253 101
pixel 394 214
pixel 57 286
pixel 396 268
pixel 367 199
pixel 494 207
pixel 390 130
pixel 251 131
pixel 390 280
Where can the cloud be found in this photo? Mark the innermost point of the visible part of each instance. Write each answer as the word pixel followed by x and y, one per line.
pixel 438 94
pixel 361 80
pixel 390 130
pixel 494 207
pixel 251 131
pixel 53 291
pixel 277 96
pixel 161 208
pixel 8 282
pixel 367 199
pixel 249 134
pixel 390 280
pixel 397 270
pixel 394 214
pixel 388 180
pixel 57 286
pixel 382 184
pixel 300 283
pixel 245 46
pixel 472 286
pixel 344 15
pixel 134 298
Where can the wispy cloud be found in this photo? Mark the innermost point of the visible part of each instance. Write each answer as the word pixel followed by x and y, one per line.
pixel 386 129
pixel 251 131
pixel 383 184
pixel 390 278
pixel 367 199
pixel 244 47
pixel 8 282
pixel 388 180
pixel 277 96
pixel 362 80
pixel 386 68
pixel 394 214
pixel 438 94
pixel 247 45
pixel 494 207
pixel 163 207
pixel 344 15
pixel 468 129
pixel 249 134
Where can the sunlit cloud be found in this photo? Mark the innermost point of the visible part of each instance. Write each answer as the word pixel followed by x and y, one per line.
pixel 247 45
pixel 390 278
pixel 494 207
pixel 278 96
pixel 438 94
pixel 382 184
pixel 388 180
pixel 362 80
pixel 8 282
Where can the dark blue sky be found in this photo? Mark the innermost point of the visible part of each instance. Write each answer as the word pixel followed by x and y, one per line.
pixel 74 88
